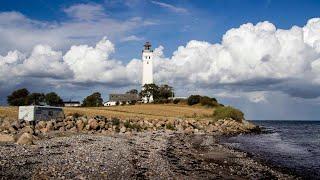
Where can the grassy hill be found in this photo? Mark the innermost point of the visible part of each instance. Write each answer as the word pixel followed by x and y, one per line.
pixel 148 111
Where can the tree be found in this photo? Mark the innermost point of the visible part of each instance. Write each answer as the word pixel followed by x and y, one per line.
pixel 150 89
pixel 18 97
pixel 36 99
pixel 193 99
pixel 132 91
pixel 53 99
pixel 93 100
pixel 165 91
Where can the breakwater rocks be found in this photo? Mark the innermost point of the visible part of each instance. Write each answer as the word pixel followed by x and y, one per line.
pixel 105 126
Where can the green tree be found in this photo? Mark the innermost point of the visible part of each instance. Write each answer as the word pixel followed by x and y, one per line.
pixel 93 100
pixel 18 97
pixel 132 91
pixel 53 99
pixel 165 91
pixel 193 99
pixel 36 99
pixel 150 89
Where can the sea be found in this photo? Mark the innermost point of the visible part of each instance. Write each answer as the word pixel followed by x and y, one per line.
pixel 293 146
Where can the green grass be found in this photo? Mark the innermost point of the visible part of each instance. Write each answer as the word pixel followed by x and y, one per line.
pixel 228 112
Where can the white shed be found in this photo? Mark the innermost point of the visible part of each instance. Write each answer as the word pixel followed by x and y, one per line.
pixel 40 113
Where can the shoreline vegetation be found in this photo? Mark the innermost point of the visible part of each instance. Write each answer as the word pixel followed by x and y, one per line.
pixel 137 141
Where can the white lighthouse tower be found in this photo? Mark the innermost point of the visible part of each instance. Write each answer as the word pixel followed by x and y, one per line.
pixel 147 73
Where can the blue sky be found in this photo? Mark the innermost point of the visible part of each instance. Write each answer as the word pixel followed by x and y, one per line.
pixel 58 25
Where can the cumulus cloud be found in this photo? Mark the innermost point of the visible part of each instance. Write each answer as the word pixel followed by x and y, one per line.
pixel 252 59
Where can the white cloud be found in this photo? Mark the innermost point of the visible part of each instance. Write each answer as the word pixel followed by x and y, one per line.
pixel 170 7
pixel 131 38
pixel 92 64
pixel 88 23
pixel 85 11
pixel 250 54
pixel 252 59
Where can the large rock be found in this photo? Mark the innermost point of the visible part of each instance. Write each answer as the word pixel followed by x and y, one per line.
pixel 123 129
pixel 58 125
pixel 50 126
pixel 80 124
pixel 6 138
pixel 25 139
pixel 28 129
pixel 102 124
pixel 69 124
pixel 5 125
pixel 41 124
pixel 93 124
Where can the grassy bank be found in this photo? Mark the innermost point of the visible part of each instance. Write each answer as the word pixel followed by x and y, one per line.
pixel 148 111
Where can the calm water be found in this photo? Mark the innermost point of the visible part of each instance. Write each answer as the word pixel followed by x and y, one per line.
pixel 290 144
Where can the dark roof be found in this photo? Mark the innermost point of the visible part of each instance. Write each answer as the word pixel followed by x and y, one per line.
pixel 71 102
pixel 123 97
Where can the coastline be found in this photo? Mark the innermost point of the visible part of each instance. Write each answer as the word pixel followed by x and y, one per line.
pixel 146 155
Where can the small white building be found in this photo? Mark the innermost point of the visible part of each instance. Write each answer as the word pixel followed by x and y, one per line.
pixel 110 103
pixel 40 113
pixel 72 104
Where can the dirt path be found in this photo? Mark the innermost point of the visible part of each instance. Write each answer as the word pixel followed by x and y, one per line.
pixel 157 155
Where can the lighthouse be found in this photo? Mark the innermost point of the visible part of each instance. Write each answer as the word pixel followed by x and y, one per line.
pixel 147 72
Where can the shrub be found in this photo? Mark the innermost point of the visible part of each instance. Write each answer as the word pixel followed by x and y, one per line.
pixel 76 115
pixel 207 101
pixel 176 101
pixel 133 102
pixel 228 112
pixel 193 99
pixel 115 121
pixel 170 126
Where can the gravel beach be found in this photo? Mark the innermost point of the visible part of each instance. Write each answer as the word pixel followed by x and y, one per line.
pixel 144 155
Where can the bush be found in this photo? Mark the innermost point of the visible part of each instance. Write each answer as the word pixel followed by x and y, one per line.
pixel 193 99
pixel 170 126
pixel 115 122
pixel 76 115
pixel 207 101
pixel 176 101
pixel 228 112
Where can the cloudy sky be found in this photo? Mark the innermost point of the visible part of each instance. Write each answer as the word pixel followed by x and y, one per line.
pixel 261 56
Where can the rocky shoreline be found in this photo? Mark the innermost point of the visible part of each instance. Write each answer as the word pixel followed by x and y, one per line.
pixel 162 149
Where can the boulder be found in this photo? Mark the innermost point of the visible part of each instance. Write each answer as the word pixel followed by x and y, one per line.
pixel 27 129
pixel 123 129
pixel 69 124
pixel 80 124
pixel 58 125
pixel 25 139
pixel 62 129
pixel 41 124
pixel 16 125
pixel 74 129
pixel 93 124
pixel 5 125
pixel 49 126
pixel 44 130
pixel 102 124
pixel 6 138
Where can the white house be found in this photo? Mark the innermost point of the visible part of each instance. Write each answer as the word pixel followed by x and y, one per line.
pixel 72 104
